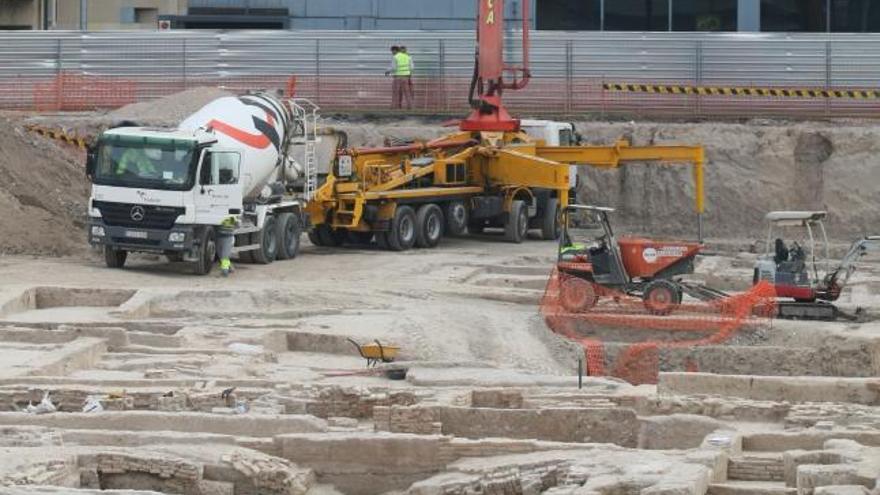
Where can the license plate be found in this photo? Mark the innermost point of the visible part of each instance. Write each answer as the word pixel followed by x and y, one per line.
pixel 135 234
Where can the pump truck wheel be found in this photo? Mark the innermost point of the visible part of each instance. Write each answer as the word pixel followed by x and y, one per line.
pixel 550 225
pixel 288 231
pixel 329 236
pixel 314 238
pixel 517 224
pixel 456 218
pixel 661 297
pixel 268 241
pixel 429 224
pixel 402 235
pixel 115 258
pixel 207 252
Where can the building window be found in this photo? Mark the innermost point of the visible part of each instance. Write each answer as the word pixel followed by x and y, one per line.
pixel 565 15
pixel 704 15
pixel 637 15
pixel 146 16
pixel 855 16
pixel 794 15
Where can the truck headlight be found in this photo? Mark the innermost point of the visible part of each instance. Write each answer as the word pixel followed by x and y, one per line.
pixel 97 231
pixel 177 237
pixel 94 212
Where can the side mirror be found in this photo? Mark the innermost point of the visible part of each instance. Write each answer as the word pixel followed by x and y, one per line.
pixel 91 161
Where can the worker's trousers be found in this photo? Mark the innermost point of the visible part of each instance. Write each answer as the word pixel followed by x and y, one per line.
pixel 225 243
pixel 401 92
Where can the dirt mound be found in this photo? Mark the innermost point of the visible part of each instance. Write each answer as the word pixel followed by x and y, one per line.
pixel 43 194
pixel 169 110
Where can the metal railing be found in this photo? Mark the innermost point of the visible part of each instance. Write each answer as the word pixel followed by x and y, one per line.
pixel 343 70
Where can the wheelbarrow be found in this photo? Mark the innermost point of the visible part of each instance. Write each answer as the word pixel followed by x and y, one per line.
pixel 376 352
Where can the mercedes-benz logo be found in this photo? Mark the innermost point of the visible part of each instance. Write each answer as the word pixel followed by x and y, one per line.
pixel 138 213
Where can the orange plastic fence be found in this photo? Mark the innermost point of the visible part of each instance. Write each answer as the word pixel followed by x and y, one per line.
pixel 642 336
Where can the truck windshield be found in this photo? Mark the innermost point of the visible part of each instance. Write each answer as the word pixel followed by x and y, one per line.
pixel 149 164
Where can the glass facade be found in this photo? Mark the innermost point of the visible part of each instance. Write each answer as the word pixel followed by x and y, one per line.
pixel 794 15
pixel 842 16
pixel 855 16
pixel 704 15
pixel 565 15
pixel 637 15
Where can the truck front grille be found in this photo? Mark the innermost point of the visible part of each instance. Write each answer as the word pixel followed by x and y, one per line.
pixel 138 216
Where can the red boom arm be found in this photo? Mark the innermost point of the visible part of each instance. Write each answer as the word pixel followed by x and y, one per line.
pixel 488 82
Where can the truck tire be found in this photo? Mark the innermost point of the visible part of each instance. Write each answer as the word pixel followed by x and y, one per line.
pixel 456 218
pixel 550 227
pixel 288 231
pixel 268 241
pixel 330 237
pixel 207 252
pixel 517 224
pixel 114 258
pixel 429 226
pixel 314 238
pixel 661 297
pixel 402 235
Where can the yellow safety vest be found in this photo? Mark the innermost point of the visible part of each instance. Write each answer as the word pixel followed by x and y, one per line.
pixel 402 64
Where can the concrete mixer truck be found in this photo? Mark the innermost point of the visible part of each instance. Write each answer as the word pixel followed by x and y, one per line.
pixel 166 190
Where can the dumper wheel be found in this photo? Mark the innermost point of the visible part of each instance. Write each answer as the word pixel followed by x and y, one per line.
pixel 661 297
pixel 429 226
pixel 550 225
pixel 402 235
pixel 288 231
pixel 207 252
pixel 114 258
pixel 517 224
pixel 456 219
pixel 577 295
pixel 268 241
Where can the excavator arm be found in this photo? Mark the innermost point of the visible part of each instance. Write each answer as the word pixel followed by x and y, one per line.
pixel 837 279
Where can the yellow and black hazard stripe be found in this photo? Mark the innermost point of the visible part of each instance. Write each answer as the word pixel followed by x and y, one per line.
pixel 59 135
pixel 667 89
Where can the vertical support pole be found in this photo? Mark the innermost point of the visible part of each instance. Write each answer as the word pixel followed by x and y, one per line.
pixel 580 372
pixel 698 76
pixel 601 15
pixel 183 62
pixel 669 19
pixel 59 63
pixel 318 71
pixel 83 15
pixel 829 76
pixel 443 100
pixel 569 76
pixel 827 16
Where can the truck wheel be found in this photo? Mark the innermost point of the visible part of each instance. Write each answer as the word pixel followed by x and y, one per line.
pixel 288 231
pixel 429 226
pixel 517 222
pixel 268 242
pixel 456 218
pixel 115 258
pixel 402 235
pixel 661 297
pixel 330 237
pixel 207 252
pixel 550 227
pixel 314 238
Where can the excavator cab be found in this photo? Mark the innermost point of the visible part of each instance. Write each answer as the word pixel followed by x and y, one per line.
pixel 790 259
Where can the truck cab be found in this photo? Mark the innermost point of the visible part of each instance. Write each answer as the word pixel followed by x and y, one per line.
pixel 555 134
pixel 153 189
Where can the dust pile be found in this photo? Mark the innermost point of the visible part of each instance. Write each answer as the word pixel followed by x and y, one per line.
pixel 43 194
pixel 169 110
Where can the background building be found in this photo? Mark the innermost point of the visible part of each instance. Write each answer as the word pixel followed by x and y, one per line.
pixel 575 15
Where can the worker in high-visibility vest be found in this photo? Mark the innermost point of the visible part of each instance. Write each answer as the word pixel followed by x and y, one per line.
pixel 400 70
pixel 409 82
pixel 225 243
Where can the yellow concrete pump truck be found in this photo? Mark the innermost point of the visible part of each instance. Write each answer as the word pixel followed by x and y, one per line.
pixel 495 172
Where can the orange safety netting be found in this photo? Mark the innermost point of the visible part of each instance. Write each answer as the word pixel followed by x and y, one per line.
pixel 622 336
